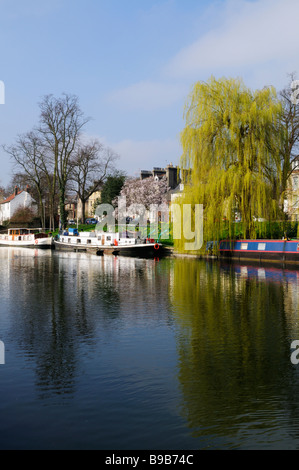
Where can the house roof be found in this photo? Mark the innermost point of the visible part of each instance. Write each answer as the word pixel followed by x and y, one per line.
pixel 10 198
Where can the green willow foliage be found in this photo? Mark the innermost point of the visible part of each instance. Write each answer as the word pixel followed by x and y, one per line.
pixel 228 144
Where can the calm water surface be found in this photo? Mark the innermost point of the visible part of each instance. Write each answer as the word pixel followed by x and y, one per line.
pixel 123 353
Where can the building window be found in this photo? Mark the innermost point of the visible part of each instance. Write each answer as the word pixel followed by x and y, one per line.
pixel 295 183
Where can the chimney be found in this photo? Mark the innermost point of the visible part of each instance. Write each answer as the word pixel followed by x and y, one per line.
pixel 16 190
pixel 172 176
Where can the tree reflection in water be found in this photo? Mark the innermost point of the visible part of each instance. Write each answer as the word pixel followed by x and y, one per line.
pixel 233 345
pixel 67 303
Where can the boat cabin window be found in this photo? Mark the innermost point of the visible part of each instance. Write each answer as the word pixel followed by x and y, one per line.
pixel 108 238
pixel 69 240
pixel 88 241
pixel 261 246
pixel 78 240
pixel 244 246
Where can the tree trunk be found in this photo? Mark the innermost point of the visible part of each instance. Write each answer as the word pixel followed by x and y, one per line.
pixel 83 210
pixel 63 220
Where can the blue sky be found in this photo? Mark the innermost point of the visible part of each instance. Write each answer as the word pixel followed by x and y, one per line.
pixel 132 64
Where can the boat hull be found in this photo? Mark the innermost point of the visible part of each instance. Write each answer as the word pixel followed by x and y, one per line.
pixel 138 250
pixel 40 243
pixel 262 250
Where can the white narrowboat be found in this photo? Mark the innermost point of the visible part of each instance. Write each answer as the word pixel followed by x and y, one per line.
pixel 26 238
pixel 107 243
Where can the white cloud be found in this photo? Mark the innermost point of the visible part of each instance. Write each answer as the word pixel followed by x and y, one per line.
pixel 148 95
pixel 251 34
pixel 256 40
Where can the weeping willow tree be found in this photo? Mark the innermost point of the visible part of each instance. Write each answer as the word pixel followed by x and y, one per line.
pixel 228 143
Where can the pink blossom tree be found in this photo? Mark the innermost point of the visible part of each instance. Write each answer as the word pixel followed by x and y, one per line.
pixel 143 197
pixel 144 192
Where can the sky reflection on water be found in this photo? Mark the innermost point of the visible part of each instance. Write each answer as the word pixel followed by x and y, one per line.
pixel 126 353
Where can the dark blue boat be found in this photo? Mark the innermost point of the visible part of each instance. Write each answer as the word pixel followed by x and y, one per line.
pixel 276 250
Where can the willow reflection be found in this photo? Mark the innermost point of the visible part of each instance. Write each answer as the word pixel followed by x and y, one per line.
pixel 233 357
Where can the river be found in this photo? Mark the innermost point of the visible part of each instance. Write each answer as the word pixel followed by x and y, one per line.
pixel 126 353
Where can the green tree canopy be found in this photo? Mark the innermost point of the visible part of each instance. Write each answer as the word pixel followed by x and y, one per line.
pixel 112 187
pixel 228 144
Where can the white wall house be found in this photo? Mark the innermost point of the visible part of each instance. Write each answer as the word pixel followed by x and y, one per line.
pixel 18 200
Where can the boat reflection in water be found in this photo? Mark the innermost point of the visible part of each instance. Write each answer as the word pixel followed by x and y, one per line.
pixel 274 274
pixel 65 302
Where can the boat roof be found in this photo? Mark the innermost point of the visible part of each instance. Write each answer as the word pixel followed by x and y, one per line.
pixel 26 229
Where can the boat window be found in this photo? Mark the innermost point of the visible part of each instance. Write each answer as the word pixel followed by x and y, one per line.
pixel 261 246
pixel 69 240
pixel 88 241
pixel 244 246
pixel 78 240
pixel 108 239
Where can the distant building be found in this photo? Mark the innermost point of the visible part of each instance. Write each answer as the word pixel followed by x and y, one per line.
pixel 172 173
pixel 89 205
pixel 18 200
pixel 173 194
pixel 71 208
pixel 176 178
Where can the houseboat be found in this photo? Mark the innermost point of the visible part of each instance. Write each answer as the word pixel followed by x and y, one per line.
pixel 26 238
pixel 100 243
pixel 266 250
